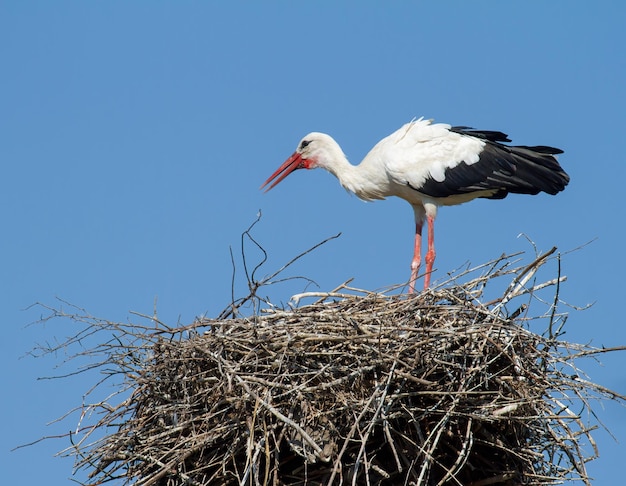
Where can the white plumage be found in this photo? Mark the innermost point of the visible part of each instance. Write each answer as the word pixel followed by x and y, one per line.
pixel 431 165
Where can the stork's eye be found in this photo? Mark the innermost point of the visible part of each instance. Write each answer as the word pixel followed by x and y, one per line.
pixel 304 144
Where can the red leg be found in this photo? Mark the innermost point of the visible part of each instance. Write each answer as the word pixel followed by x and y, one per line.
pixel 417 256
pixel 430 254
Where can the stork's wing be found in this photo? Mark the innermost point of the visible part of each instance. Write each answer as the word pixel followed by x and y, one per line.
pixel 441 161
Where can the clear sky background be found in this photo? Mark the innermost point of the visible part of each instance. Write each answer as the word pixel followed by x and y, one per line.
pixel 134 137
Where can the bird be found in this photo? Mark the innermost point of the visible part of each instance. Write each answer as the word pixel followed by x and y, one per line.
pixel 431 165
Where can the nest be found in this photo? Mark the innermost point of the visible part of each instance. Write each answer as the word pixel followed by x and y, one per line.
pixel 355 388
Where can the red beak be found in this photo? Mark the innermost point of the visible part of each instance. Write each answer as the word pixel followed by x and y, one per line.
pixel 292 163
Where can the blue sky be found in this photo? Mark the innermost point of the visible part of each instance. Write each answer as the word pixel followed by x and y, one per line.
pixel 135 136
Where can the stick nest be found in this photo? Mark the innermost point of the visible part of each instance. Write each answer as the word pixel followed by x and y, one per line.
pixel 355 388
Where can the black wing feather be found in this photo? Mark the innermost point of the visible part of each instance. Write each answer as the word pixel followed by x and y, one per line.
pixel 502 169
pixel 490 135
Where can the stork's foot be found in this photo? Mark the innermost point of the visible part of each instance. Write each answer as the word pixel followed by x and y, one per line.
pixel 430 260
pixel 415 266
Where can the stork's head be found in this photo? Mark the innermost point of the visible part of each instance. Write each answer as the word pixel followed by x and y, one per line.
pixel 313 151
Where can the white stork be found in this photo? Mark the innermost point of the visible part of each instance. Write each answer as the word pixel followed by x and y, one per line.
pixel 431 165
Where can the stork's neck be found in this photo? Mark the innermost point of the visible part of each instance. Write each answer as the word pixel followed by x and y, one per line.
pixel 362 180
